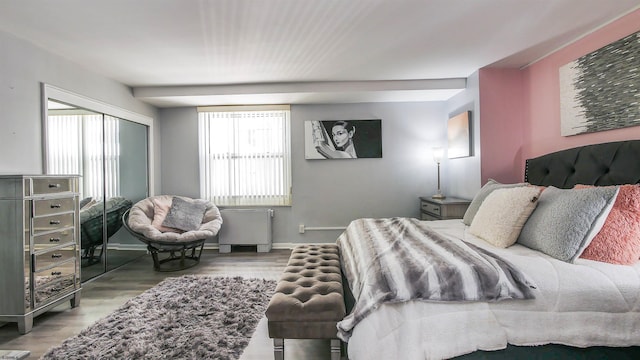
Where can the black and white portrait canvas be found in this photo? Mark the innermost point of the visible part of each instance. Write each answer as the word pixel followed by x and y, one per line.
pixel 343 139
pixel 599 91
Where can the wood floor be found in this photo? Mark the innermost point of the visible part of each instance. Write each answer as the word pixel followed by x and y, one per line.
pixel 103 295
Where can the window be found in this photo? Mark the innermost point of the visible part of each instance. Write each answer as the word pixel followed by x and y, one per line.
pixel 245 155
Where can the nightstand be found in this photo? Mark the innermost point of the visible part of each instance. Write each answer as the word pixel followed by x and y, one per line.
pixel 442 209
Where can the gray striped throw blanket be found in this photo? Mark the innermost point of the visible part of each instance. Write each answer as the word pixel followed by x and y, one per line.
pixel 402 259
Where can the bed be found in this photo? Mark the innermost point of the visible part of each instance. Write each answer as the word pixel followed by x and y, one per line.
pixel 547 306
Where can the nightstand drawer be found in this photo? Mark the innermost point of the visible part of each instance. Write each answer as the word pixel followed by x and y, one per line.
pixel 442 209
pixel 427 216
pixel 431 208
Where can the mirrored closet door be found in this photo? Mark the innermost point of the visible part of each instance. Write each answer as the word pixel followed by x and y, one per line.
pixel 111 154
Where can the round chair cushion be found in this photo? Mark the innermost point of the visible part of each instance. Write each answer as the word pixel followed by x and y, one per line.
pixel 141 217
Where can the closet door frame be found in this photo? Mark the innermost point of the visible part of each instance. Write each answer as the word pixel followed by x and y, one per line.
pixel 56 93
pixel 53 93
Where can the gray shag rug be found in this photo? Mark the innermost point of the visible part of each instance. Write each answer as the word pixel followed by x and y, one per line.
pixel 187 317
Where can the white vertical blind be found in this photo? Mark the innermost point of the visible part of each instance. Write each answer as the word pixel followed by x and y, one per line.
pixel 111 156
pixel 92 160
pixel 245 156
pixel 87 145
pixel 64 154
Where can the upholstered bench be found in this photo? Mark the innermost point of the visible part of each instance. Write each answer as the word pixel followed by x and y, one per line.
pixel 308 302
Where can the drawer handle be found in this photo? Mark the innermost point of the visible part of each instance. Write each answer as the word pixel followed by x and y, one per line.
pixel 56 256
pixel 56 206
pixel 52 186
pixel 56 273
pixel 54 239
pixel 54 222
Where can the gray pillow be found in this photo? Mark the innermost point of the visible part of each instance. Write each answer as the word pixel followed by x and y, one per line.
pixel 487 189
pixel 85 201
pixel 566 220
pixel 185 215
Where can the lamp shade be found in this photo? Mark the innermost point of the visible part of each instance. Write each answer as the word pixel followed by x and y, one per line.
pixel 438 154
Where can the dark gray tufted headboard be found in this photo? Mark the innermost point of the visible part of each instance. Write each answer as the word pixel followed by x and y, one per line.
pixel 613 163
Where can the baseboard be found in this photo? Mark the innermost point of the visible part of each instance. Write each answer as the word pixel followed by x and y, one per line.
pixel 275 246
pixel 119 246
pixel 207 246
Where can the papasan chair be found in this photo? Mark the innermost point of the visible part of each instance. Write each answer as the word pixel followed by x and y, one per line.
pixel 174 228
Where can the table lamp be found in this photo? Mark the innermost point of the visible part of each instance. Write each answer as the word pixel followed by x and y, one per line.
pixel 438 154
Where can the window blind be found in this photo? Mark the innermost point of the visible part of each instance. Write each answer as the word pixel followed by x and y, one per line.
pixel 87 145
pixel 245 155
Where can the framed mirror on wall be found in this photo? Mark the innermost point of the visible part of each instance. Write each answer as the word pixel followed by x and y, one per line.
pixel 109 148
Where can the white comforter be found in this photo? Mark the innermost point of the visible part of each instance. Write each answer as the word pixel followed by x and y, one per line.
pixel 583 304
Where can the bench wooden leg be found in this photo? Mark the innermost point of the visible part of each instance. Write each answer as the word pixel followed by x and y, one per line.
pixel 278 349
pixel 335 349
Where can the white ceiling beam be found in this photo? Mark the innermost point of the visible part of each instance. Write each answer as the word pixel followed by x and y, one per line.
pixel 302 87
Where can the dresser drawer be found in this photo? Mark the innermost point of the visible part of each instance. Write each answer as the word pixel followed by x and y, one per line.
pixel 53 283
pixel 431 208
pixel 56 273
pixel 53 206
pixel 53 222
pixel 51 258
pixel 54 239
pixel 52 185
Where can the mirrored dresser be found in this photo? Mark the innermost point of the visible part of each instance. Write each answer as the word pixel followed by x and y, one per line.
pixel 40 257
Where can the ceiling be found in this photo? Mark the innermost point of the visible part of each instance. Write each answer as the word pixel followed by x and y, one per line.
pixel 199 52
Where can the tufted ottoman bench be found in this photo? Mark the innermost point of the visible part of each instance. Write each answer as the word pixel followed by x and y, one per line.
pixel 308 302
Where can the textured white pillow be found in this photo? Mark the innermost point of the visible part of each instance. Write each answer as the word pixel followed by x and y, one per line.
pixel 487 189
pixel 503 213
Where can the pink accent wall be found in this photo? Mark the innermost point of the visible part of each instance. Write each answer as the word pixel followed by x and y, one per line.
pixel 520 109
pixel 501 123
pixel 542 93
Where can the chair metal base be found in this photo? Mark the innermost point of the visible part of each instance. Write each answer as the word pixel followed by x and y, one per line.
pixel 89 255
pixel 179 256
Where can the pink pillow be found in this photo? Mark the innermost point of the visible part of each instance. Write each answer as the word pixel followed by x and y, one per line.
pixel 618 242
pixel 160 210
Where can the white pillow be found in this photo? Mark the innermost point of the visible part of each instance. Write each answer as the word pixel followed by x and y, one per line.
pixel 487 189
pixel 503 213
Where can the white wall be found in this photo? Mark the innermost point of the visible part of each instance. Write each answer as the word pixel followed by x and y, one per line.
pixel 329 193
pixel 179 152
pixel 23 67
pixel 325 192
pixel 462 175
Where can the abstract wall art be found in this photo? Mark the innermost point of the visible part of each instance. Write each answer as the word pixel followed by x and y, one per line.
pixel 459 135
pixel 601 90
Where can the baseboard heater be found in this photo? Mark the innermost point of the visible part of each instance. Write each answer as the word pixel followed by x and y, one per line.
pixel 246 227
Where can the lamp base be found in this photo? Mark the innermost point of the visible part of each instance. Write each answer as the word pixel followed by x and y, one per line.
pixel 438 196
